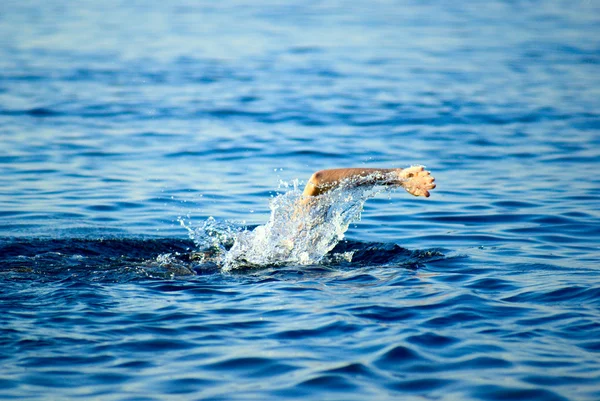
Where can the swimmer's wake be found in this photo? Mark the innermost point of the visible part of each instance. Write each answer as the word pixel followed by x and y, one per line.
pixel 304 226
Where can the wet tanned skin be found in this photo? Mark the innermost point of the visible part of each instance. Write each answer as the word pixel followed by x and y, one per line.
pixel 416 180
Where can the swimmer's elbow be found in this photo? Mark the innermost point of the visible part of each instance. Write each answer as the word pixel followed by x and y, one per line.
pixel 317 177
pixel 313 186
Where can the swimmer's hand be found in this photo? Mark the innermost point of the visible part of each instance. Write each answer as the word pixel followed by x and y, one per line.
pixel 416 180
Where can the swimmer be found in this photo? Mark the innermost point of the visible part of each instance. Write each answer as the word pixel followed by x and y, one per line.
pixel 303 231
pixel 415 180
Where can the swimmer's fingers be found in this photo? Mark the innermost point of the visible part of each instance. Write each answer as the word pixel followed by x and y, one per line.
pixel 411 172
pixel 417 181
pixel 423 192
pixel 430 182
pixel 428 185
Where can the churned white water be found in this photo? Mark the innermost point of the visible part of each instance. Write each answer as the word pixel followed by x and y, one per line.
pixel 300 230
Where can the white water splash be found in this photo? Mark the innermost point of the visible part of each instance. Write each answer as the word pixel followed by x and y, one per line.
pixel 213 235
pixel 297 232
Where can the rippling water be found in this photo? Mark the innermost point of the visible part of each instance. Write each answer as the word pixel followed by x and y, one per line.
pixel 123 123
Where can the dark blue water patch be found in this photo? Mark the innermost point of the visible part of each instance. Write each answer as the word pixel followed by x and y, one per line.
pixel 103 208
pixel 90 247
pixel 297 118
pixel 88 259
pixel 360 279
pixel 50 362
pixel 183 385
pixel 551 318
pixel 481 362
pixel 37 172
pixel 575 158
pixel 493 285
pixel 419 386
pixel 53 379
pixel 150 346
pixel 70 379
pixel 581 329
pixel 103 154
pixel 547 364
pixel 571 294
pixel 327 330
pixel 328 384
pixel 557 381
pixel 554 220
pixel 229 113
pixel 513 204
pixel 314 153
pixel 39 112
pixel 7 384
pixel 353 369
pixel 593 346
pixel 386 254
pixel 92 74
pixel 478 219
pixel 502 393
pixel 591 123
pixel 458 318
pixel 383 313
pixel 432 340
pixel 253 367
pixel 218 152
pixel 23 77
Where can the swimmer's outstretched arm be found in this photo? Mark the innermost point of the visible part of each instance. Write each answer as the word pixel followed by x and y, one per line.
pixel 416 180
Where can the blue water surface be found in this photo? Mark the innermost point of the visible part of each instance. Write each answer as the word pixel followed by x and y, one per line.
pixel 121 120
